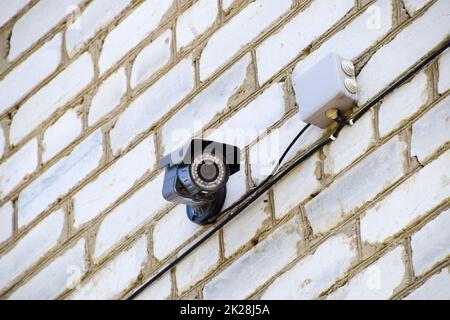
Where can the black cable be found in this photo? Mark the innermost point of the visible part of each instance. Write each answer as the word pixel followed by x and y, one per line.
pixel 272 179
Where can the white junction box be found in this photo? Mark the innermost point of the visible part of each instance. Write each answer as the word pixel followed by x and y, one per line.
pixel 329 84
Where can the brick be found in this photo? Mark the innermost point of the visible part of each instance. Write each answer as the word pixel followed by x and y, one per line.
pixel 403 104
pixel 411 200
pixel 431 244
pixel 239 32
pixel 435 288
pixel 108 96
pixel 111 281
pixel 356 32
pixel 264 155
pixel 60 134
pixel 165 241
pixel 414 5
pixel 63 273
pixel 94 17
pixel 16 168
pixel 156 101
pixel 59 179
pixel 255 267
pixel 430 132
pixel 195 21
pixel 404 51
pixel 205 107
pixel 239 131
pixel 9 9
pixel 353 142
pixel 444 75
pixel 160 290
pixel 198 264
pixel 151 59
pixel 359 185
pixel 378 281
pixel 6 221
pixel 112 183
pixel 282 47
pixel 53 96
pixel 31 27
pixel 131 31
pixel 30 248
pixel 129 216
pixel 28 74
pixel 296 187
pixel 316 272
pixel 245 227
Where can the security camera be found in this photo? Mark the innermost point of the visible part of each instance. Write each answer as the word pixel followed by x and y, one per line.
pixel 196 175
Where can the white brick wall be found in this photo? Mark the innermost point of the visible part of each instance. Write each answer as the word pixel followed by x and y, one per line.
pixel 160 290
pixel 59 179
pixel 413 5
pixel 363 182
pixel 195 21
pixel 129 216
pixel 31 27
pixel 431 243
pixel 378 281
pixel 204 107
pixel 403 104
pixel 151 59
pixel 239 131
pixel 444 77
pixel 94 93
pixel 148 108
pixel 357 33
pixel 63 273
pixel 6 221
pixel 435 288
pixel 431 131
pixel 10 8
pixel 240 31
pixel 30 248
pixel 411 200
pixel 17 167
pixel 113 182
pixel 278 50
pixel 315 273
pixel 2 142
pixel 246 226
pixel 30 72
pixel 255 267
pixel 108 96
pixel 165 240
pixel 353 142
pixel 117 276
pixel 60 134
pixel 87 24
pixel 298 186
pixel 50 98
pixel 403 51
pixel 132 30
pixel 198 264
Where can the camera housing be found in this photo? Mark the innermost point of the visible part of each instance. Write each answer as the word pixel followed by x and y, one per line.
pixel 196 175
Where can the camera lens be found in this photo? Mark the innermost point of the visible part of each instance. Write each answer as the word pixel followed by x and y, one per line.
pixel 208 171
